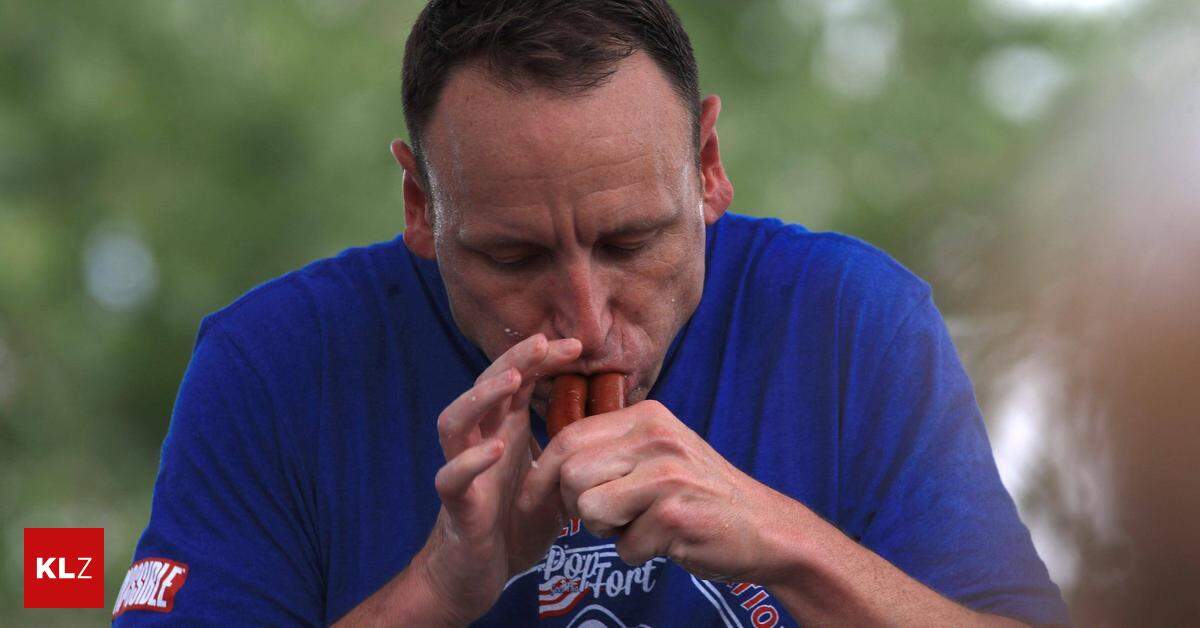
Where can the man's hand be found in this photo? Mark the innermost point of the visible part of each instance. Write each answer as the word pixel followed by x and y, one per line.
pixel 480 539
pixel 642 473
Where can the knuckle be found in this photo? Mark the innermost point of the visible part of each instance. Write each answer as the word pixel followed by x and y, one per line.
pixel 572 472
pixel 567 440
pixel 629 552
pixel 660 435
pixel 590 505
pixel 671 476
pixel 678 552
pixel 672 515
pixel 441 481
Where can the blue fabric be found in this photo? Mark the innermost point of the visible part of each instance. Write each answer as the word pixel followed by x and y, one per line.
pixel 297 475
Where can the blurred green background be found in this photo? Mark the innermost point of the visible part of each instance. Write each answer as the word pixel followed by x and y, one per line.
pixel 1035 160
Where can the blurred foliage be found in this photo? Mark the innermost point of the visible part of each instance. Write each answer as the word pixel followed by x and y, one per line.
pixel 205 147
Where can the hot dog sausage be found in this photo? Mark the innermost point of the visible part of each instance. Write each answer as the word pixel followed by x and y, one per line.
pixel 606 392
pixel 567 397
pixel 602 393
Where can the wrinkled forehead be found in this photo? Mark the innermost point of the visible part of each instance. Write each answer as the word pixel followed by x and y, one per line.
pixel 488 142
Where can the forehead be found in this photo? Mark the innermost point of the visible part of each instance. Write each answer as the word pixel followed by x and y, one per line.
pixel 489 143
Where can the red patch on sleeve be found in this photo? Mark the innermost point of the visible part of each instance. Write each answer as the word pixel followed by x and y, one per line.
pixel 150 585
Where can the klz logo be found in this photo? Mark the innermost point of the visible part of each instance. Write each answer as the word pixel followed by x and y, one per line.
pixel 64 567
pixel 45 568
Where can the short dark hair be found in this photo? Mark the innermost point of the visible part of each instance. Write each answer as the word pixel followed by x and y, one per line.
pixel 568 46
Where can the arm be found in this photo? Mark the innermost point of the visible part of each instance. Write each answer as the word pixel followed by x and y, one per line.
pixel 920 494
pixel 642 474
pixel 231 506
pixel 823 577
pixel 408 599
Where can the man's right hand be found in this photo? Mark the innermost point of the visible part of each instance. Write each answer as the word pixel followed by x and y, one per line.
pixel 481 537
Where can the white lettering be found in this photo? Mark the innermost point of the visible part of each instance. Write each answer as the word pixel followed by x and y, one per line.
pixel 155 574
pixel 585 569
pixel 149 584
pixel 86 562
pixel 166 584
pixel 615 582
pixel 641 575
pixel 554 560
pixel 136 585
pixel 62 570
pixel 43 568
pixel 122 591
pixel 598 571
pixel 573 566
pixel 143 585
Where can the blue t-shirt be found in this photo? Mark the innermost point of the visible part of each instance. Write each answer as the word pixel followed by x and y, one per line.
pixel 297 474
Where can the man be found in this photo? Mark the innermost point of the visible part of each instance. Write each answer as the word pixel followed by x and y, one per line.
pixel 355 440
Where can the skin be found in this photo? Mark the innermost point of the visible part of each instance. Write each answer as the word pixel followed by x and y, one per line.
pixel 569 231
pixel 575 217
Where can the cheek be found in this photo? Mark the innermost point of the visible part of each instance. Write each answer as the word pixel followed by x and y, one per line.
pixel 664 291
pixel 493 312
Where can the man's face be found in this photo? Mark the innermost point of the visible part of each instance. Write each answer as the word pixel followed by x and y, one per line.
pixel 575 216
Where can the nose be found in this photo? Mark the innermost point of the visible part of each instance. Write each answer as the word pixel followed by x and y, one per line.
pixel 581 308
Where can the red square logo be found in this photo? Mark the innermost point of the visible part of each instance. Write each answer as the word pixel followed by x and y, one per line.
pixel 64 567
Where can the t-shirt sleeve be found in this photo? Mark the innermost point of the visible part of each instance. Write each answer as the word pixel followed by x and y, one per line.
pixel 922 488
pixel 230 539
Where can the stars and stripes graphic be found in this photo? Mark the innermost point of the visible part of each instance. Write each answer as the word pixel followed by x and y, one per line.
pixel 559 595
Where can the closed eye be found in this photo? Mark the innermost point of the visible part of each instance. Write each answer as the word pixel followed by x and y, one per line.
pixel 624 249
pixel 627 248
pixel 514 262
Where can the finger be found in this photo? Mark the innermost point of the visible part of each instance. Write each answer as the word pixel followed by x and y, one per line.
pixel 608 507
pixel 543 480
pixel 643 539
pixel 464 413
pixel 519 356
pixel 455 477
pixel 592 467
pixel 559 354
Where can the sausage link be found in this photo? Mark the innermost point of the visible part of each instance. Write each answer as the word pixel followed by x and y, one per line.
pixel 567 397
pixel 606 392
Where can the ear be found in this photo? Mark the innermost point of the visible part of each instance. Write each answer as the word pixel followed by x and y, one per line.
pixel 418 228
pixel 718 190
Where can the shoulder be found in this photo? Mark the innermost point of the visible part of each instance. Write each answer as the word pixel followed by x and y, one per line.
pixel 771 260
pixel 293 311
pixel 279 346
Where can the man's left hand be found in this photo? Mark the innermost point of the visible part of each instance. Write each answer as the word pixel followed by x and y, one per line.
pixel 642 474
